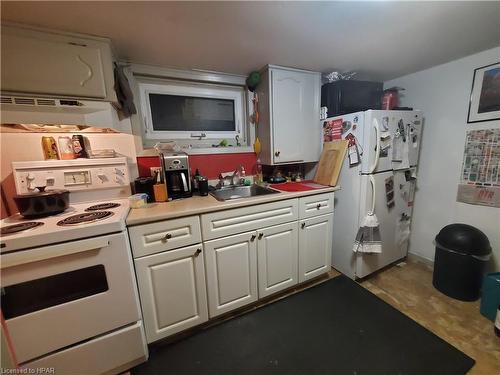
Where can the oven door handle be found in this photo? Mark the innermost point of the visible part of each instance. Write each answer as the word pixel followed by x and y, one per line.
pixel 52 251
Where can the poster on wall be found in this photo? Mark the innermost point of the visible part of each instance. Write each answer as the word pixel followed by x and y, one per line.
pixel 480 179
pixel 484 102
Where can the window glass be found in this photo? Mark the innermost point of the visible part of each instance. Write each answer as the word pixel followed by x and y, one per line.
pixel 189 113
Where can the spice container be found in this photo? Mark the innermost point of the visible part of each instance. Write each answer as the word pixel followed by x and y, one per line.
pixel 49 148
pixel 66 148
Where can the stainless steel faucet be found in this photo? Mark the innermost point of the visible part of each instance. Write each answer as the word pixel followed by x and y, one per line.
pixel 239 173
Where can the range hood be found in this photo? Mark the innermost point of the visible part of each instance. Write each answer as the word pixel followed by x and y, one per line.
pixel 35 104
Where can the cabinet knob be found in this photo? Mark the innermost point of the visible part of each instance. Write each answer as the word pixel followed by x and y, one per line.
pixel 261 235
pixel 277 153
pixel 253 237
pixel 198 252
pixel 318 206
pixel 167 237
pixel 303 225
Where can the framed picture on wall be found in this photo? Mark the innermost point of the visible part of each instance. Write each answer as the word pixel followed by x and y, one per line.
pixel 484 102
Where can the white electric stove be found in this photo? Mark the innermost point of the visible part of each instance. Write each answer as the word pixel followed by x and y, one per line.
pixel 80 220
pixel 69 293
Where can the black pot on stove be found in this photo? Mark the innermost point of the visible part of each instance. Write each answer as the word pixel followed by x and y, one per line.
pixel 42 203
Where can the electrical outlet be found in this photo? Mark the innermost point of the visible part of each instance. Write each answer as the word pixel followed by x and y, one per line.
pixel 154 170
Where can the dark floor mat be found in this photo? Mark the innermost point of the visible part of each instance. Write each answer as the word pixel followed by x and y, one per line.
pixel 337 327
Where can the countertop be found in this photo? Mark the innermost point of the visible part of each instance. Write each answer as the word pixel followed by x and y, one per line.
pixel 199 205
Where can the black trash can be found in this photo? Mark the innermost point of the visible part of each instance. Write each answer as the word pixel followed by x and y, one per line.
pixel 462 253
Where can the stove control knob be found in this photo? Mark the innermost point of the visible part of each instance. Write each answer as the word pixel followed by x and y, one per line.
pixel 119 172
pixel 102 177
pixel 30 178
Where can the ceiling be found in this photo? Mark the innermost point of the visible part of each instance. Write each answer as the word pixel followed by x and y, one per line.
pixel 380 40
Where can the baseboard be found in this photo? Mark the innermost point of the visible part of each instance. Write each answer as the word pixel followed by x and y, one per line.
pixel 421 259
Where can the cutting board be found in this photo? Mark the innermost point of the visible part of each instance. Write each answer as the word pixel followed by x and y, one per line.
pixel 330 163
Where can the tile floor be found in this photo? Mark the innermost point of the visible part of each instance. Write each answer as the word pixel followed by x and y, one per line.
pixel 409 289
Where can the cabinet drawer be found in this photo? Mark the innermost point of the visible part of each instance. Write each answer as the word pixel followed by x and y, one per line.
pixel 315 205
pixel 164 235
pixel 226 223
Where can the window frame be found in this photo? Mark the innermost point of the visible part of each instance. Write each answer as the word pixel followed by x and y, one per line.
pixel 195 89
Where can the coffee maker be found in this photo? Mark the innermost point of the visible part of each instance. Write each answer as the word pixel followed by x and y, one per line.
pixel 176 171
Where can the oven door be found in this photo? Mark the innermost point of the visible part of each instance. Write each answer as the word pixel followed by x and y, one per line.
pixel 58 295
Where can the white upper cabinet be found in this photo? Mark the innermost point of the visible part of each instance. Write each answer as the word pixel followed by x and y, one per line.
pixel 47 64
pixel 289 104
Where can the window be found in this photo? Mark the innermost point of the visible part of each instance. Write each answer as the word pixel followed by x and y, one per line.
pixel 191 110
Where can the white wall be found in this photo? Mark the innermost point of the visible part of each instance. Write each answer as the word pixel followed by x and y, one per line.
pixel 442 93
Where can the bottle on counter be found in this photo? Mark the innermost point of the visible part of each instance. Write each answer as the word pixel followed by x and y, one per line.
pixel 259 178
pixel 160 189
pixel 196 178
pixel 49 147
pixel 66 148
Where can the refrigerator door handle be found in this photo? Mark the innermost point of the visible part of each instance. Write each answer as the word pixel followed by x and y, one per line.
pixel 372 182
pixel 377 147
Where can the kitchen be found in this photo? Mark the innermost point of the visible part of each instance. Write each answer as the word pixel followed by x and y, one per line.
pixel 167 208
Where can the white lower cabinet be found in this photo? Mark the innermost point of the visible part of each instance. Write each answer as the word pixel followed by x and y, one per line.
pixel 277 253
pixel 315 246
pixel 231 264
pixel 172 290
pixel 183 287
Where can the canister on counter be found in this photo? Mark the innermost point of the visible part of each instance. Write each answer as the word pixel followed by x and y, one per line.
pixel 49 148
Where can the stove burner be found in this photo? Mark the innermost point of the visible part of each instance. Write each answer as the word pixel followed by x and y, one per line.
pixel 85 218
pixel 15 228
pixel 102 206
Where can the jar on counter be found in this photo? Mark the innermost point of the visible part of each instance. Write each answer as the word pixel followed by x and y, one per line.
pixel 66 148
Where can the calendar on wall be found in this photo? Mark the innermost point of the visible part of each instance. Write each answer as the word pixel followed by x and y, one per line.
pixel 480 178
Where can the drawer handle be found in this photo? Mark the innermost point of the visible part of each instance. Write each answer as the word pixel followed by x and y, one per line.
pixel 198 252
pixel 303 225
pixel 253 237
pixel 318 206
pixel 261 235
pixel 167 237
pixel 277 153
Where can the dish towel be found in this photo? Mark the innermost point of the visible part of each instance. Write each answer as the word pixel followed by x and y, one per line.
pixel 368 238
pixel 125 106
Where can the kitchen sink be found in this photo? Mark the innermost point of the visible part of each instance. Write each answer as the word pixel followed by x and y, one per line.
pixel 237 192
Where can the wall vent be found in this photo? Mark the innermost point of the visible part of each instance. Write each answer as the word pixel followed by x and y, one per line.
pixel 24 101
pixel 46 102
pixel 5 100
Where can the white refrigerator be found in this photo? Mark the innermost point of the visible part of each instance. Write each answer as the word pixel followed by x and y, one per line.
pixel 379 170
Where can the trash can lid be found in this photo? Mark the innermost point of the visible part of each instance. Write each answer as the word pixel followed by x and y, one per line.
pixel 464 239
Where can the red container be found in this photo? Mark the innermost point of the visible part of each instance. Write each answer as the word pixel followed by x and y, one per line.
pixel 390 99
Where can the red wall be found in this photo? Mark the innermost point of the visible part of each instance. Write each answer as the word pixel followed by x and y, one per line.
pixel 209 165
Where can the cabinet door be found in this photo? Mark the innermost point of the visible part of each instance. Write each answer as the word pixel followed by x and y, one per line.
pixel 295 114
pixel 277 255
pixel 315 246
pixel 64 68
pixel 172 290
pixel 231 272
